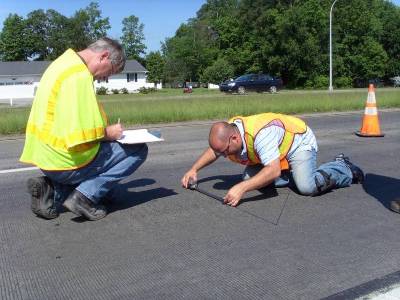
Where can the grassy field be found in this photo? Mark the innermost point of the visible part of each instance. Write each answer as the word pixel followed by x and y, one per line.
pixel 171 105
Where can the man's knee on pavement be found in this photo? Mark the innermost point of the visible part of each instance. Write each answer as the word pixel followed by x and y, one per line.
pixel 306 189
pixel 315 185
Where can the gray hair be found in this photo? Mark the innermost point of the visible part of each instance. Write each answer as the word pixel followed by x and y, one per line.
pixel 117 54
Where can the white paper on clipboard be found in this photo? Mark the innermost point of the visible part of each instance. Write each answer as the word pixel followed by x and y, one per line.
pixel 139 136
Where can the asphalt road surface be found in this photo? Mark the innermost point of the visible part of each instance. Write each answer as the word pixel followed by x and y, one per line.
pixel 161 241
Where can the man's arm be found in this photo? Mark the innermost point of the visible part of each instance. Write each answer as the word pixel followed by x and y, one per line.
pixel 263 178
pixel 205 159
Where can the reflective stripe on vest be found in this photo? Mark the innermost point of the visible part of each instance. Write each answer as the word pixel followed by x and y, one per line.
pixel 45 135
pixel 59 136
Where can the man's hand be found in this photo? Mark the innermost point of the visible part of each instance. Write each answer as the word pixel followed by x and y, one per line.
pixel 264 177
pixel 234 194
pixel 113 132
pixel 205 159
pixel 190 175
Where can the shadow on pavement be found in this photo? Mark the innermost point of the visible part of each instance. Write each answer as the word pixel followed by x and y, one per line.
pixel 225 182
pixel 382 188
pixel 266 192
pixel 126 198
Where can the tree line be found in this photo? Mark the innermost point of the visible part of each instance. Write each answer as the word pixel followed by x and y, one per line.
pixel 45 35
pixel 228 38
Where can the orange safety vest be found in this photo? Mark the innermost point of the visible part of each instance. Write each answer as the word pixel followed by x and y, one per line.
pixel 253 124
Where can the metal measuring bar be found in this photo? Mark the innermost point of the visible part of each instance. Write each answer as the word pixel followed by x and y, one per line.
pixel 194 186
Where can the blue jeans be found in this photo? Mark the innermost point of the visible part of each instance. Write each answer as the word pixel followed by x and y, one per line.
pixel 305 173
pixel 113 162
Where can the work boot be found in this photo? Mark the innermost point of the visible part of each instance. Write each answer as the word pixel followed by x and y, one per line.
pixel 395 205
pixel 358 175
pixel 42 197
pixel 80 205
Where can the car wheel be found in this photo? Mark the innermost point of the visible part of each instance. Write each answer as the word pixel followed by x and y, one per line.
pixel 273 89
pixel 241 90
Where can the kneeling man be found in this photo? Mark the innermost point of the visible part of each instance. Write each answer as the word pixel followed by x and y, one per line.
pixel 269 144
pixel 68 136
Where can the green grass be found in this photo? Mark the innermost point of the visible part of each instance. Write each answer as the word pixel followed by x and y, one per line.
pixel 171 105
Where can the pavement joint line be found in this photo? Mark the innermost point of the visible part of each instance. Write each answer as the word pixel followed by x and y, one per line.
pixel 18 170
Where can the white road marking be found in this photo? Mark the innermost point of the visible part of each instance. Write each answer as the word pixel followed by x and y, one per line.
pixel 18 170
pixel 391 293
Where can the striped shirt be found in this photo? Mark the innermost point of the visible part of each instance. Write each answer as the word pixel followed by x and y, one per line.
pixel 268 139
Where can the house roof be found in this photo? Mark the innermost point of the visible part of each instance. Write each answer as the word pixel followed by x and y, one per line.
pixel 29 68
pixel 133 66
pixel 18 68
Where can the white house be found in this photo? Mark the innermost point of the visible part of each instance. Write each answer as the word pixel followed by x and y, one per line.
pixel 19 79
pixel 133 77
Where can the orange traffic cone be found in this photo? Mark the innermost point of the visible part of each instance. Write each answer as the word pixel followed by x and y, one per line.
pixel 370 123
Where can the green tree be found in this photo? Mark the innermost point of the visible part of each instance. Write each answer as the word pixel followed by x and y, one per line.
pixel 133 38
pixel 218 72
pixel 60 34
pixel 193 48
pixel 155 65
pixel 87 26
pixel 37 34
pixel 390 38
pixel 48 34
pixel 358 40
pixel 97 25
pixel 289 38
pixel 12 39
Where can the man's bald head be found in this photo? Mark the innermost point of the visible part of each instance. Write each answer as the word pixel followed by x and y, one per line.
pixel 220 133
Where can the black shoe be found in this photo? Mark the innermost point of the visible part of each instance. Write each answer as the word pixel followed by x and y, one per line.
pixel 42 197
pixel 395 205
pixel 80 205
pixel 358 174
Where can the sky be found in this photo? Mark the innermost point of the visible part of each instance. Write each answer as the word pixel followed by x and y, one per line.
pixel 161 18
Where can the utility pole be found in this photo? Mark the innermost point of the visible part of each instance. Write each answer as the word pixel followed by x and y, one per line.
pixel 330 48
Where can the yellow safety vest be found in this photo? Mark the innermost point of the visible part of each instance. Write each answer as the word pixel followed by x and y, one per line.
pixel 253 124
pixel 66 122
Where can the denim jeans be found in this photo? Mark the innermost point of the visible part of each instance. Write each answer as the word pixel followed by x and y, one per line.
pixel 113 162
pixel 305 173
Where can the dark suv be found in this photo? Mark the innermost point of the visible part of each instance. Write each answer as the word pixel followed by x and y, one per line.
pixel 251 82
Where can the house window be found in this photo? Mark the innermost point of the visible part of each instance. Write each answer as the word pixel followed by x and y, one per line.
pixel 105 79
pixel 131 77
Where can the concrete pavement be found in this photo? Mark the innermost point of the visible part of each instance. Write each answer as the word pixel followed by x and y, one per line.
pixel 163 242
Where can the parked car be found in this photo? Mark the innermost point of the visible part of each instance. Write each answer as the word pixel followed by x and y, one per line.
pixel 396 81
pixel 251 82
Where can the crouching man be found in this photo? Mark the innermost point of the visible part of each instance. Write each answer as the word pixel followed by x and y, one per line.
pixel 269 144
pixel 68 138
